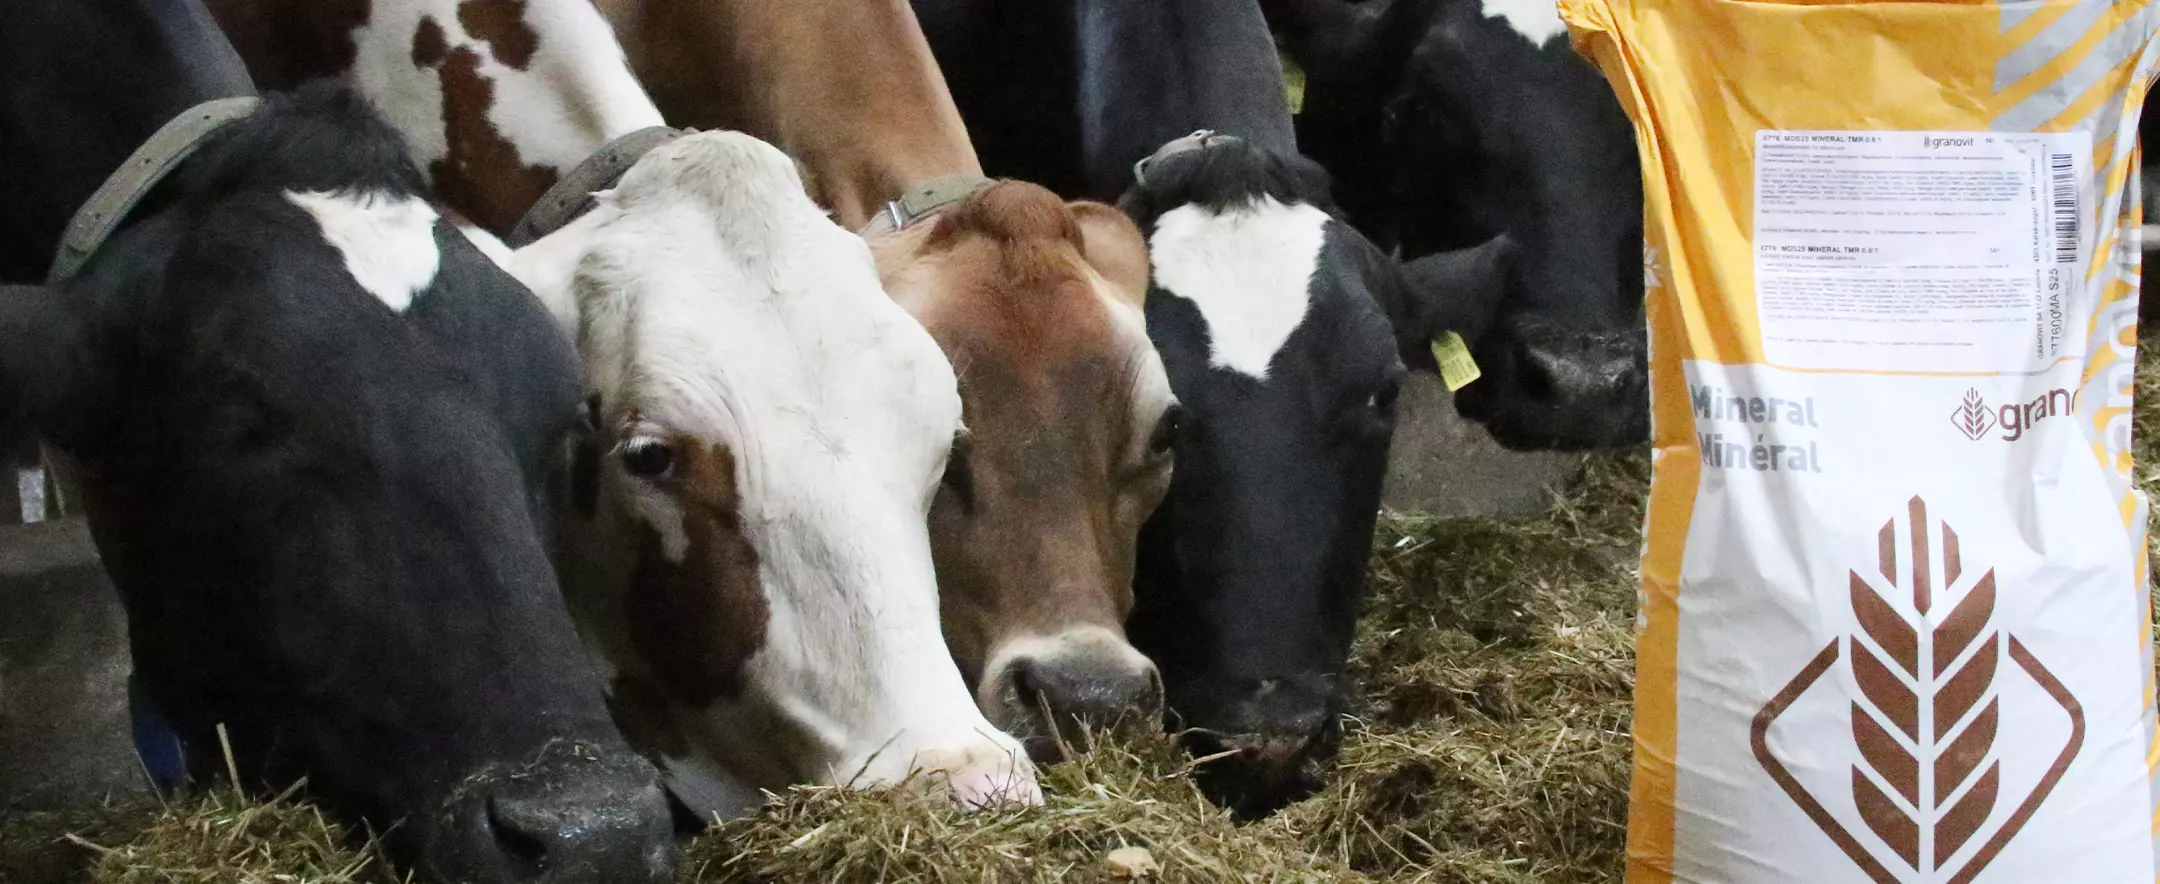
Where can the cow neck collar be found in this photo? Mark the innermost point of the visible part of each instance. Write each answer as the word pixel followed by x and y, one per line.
pixel 1200 139
pixel 923 199
pixel 111 203
pixel 572 194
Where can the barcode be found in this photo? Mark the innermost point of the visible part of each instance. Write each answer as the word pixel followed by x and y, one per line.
pixel 2063 169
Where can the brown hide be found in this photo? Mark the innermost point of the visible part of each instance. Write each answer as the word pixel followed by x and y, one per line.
pixel 846 87
pixel 1034 530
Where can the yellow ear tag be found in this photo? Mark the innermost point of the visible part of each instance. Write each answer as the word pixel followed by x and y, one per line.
pixel 1293 81
pixel 1457 369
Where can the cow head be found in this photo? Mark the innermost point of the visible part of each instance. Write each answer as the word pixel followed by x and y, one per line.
pixel 1458 121
pixel 1276 323
pixel 748 550
pixel 1067 449
pixel 316 430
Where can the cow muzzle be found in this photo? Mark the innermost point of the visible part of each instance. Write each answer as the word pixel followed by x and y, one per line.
pixel 580 814
pixel 1053 694
pixel 1561 391
pixel 1269 748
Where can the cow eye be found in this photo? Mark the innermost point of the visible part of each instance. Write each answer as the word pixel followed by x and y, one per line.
pixel 647 456
pixel 1167 430
pixel 1383 399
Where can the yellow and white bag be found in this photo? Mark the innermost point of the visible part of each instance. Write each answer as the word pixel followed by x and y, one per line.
pixel 1895 610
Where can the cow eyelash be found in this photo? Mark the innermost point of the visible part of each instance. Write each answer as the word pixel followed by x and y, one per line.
pixel 647 456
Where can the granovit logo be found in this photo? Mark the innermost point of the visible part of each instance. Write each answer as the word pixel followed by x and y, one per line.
pixel 1974 418
pixel 1934 142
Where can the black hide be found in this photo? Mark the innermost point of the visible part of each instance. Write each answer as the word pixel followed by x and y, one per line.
pixel 1071 94
pixel 1446 129
pixel 82 82
pixel 326 517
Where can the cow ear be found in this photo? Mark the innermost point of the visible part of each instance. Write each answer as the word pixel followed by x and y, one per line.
pixel 1455 291
pixel 1113 245
pixel 47 363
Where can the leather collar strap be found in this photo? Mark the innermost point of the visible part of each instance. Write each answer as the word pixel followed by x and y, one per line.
pixel 572 195
pixel 1198 140
pixel 173 143
pixel 924 199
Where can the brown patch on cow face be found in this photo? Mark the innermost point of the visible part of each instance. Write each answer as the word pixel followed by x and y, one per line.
pixel 481 172
pixel 698 621
pixel 501 24
pixel 1034 529
pixel 429 46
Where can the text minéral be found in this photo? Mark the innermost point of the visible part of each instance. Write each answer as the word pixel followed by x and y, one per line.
pixel 1712 403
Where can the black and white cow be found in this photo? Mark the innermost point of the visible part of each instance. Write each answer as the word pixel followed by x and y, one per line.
pixel 1452 123
pixel 1284 333
pixel 318 430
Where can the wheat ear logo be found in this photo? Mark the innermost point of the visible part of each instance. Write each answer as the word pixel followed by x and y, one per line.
pixel 1927 787
pixel 1973 417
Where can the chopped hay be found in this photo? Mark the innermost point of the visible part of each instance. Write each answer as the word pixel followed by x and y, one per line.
pixel 222 837
pixel 1129 792
pixel 1491 747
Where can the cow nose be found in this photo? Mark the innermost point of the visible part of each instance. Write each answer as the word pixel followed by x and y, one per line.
pixel 1270 747
pixel 584 820
pixel 1087 690
pixel 1051 701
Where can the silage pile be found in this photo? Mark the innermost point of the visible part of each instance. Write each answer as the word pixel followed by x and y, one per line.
pixel 1491 745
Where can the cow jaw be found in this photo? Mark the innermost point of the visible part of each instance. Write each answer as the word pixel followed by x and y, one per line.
pixel 753 567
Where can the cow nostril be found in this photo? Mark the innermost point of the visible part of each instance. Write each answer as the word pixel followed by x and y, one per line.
pixel 1151 697
pixel 520 838
pixel 1542 373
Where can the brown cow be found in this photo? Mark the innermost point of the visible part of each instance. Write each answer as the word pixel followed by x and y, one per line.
pixel 1036 301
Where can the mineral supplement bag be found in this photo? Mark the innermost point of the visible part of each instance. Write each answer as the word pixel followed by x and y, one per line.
pixel 1895 620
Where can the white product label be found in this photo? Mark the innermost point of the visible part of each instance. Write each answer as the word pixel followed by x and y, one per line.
pixel 1920 251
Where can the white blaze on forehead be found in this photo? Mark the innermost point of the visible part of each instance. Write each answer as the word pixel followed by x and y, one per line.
pixel 1249 271
pixel 1537 20
pixel 388 241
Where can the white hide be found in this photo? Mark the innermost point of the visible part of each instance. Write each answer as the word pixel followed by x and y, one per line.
pixel 1248 270
pixel 1537 20
pixel 576 93
pixel 388 241
pixel 710 297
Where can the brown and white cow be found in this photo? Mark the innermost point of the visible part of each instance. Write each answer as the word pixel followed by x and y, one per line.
pixel 1036 301
pixel 496 98
pixel 748 551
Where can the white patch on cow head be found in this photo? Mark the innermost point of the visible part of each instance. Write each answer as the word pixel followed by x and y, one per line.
pixel 388 240
pixel 714 303
pixel 1249 271
pixel 1537 20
